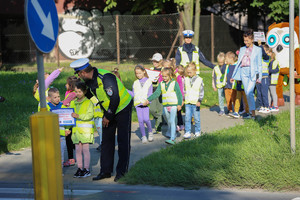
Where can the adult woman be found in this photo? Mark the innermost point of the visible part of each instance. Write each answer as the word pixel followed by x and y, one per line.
pixel 249 69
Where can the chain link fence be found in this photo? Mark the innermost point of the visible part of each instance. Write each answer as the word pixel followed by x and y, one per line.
pixel 94 35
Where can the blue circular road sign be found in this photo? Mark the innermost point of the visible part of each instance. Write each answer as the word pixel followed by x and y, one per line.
pixel 42 22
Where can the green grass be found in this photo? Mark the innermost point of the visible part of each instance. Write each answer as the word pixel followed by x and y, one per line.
pixel 16 87
pixel 254 155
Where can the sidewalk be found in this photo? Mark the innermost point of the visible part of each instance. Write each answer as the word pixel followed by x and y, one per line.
pixel 17 166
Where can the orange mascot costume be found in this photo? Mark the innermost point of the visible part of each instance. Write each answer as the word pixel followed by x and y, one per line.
pixel 278 39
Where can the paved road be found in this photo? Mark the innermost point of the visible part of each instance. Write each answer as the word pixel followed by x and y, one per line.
pixel 16 172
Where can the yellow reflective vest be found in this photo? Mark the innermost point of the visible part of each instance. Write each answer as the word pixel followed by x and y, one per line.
pixel 185 58
pixel 104 99
pixel 84 130
pixel 265 67
pixel 220 80
pixel 169 96
pixel 141 93
pixel 274 77
pixel 192 92
pixel 97 109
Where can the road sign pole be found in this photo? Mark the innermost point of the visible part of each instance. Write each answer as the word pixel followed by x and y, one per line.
pixel 41 77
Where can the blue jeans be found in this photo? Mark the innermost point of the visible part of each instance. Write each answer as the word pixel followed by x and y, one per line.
pixel 98 124
pixel 171 120
pixel 262 92
pixel 221 96
pixel 62 149
pixel 248 86
pixel 190 111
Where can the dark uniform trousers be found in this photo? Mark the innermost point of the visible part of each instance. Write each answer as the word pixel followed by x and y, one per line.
pixel 121 122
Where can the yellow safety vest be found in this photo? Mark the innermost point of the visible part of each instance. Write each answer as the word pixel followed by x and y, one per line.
pixel 104 99
pixel 97 109
pixel 185 58
pixel 220 81
pixel 141 93
pixel 37 97
pixel 274 77
pixel 169 96
pixel 192 92
pixel 265 67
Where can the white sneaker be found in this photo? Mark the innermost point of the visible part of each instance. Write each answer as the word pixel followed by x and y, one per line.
pixel 266 110
pixel 187 135
pixel 150 137
pixel 261 110
pixel 144 140
pixel 198 134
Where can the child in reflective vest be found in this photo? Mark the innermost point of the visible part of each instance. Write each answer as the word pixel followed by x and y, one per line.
pixel 218 81
pixel 142 89
pixel 171 100
pixel 194 93
pixel 273 77
pixel 240 95
pixel 83 132
pixel 70 96
pixel 263 87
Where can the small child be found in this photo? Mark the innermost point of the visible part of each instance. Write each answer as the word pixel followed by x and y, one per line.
pixel 142 89
pixel 219 82
pixel 194 93
pixel 263 87
pixel 54 103
pixel 227 70
pixel 70 96
pixel 179 73
pixel 171 100
pixel 83 133
pixel 240 95
pixel 273 77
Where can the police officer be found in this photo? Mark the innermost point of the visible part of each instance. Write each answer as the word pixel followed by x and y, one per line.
pixel 116 103
pixel 190 53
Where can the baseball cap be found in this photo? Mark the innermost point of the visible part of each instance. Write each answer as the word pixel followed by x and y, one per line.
pixel 80 64
pixel 157 57
pixel 188 33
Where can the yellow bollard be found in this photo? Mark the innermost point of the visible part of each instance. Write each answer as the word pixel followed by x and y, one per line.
pixel 46 157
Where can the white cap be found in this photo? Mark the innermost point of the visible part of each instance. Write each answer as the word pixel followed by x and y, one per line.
pixel 188 33
pixel 157 57
pixel 80 64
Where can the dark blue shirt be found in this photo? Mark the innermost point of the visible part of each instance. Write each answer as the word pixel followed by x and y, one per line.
pixel 229 74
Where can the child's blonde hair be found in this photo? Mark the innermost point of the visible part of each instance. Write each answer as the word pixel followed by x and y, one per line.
pixel 180 70
pixel 168 63
pixel 230 55
pixel 51 91
pixel 221 57
pixel 169 70
pixel 142 68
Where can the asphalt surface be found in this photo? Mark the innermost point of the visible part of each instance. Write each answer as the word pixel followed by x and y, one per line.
pixel 16 179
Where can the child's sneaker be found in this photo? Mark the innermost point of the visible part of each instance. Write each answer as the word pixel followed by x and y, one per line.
pixel 72 162
pixel 78 173
pixel 144 140
pixel 177 128
pixel 242 112
pixel 150 137
pixel 266 110
pixel 172 142
pixel 261 110
pixel 274 109
pixel 235 115
pixel 247 116
pixel 230 114
pixel 198 134
pixel 221 113
pixel 187 135
pixel 85 173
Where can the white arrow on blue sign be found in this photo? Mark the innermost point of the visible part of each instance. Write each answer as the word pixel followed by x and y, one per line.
pixel 42 22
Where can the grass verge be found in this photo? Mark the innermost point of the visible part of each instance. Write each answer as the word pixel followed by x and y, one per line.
pixel 254 155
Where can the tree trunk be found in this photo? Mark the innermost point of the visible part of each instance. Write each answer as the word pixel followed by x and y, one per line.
pixel 197 23
pixel 187 15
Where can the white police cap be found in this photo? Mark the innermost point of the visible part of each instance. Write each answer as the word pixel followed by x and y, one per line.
pixel 80 64
pixel 188 33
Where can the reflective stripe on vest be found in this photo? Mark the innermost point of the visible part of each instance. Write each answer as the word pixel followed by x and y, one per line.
pixel 84 127
pixel 104 99
pixel 141 93
pixel 97 109
pixel 265 67
pixel 169 96
pixel 192 92
pixel 274 77
pixel 220 81
pixel 185 58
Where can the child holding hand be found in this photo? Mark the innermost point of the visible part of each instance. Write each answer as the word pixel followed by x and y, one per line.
pixel 171 100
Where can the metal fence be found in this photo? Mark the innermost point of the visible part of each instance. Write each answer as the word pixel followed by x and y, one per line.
pixel 91 34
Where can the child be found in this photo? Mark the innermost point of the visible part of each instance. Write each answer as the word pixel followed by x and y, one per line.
pixel 227 70
pixel 273 77
pixel 219 81
pixel 54 103
pixel 70 96
pixel 156 106
pixel 179 73
pixel 194 93
pixel 240 94
pixel 142 89
pixel 263 87
pixel 171 100
pixel 83 133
